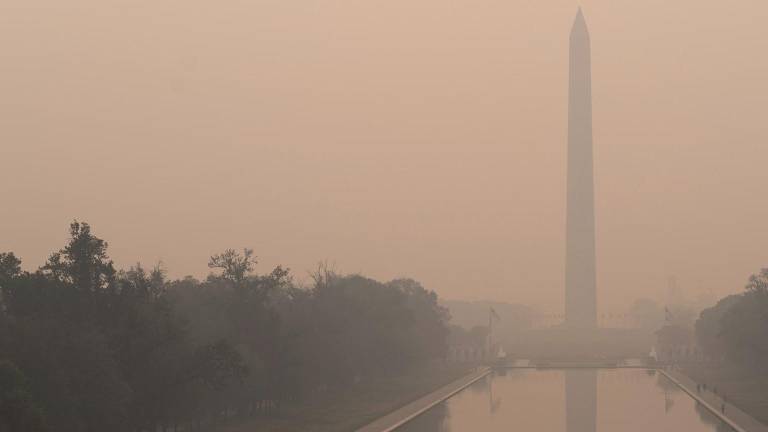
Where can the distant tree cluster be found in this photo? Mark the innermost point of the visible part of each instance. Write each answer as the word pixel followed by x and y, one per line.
pixel 85 347
pixel 476 337
pixel 736 329
pixel 647 314
pixel 675 337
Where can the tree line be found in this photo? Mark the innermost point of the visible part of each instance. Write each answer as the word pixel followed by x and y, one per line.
pixel 86 347
pixel 733 332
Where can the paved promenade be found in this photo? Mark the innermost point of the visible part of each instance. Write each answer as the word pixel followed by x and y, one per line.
pixel 399 417
pixel 736 418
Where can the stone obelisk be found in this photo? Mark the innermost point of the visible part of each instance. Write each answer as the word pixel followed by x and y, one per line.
pixel 580 283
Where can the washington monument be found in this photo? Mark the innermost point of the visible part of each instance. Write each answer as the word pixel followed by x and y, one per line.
pixel 580 284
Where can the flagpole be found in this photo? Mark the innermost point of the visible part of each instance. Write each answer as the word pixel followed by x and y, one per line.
pixel 490 330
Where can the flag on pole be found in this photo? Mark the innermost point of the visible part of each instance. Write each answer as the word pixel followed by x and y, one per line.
pixel 494 315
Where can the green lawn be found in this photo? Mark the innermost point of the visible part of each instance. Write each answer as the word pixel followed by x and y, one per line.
pixel 344 411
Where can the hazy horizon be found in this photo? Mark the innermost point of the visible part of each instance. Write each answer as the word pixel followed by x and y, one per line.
pixel 392 138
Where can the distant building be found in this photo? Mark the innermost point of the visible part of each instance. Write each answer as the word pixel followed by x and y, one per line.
pixel 466 354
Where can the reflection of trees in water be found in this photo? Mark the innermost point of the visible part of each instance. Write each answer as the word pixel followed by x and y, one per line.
pixel 514 375
pixel 666 385
pixel 707 417
pixel 494 401
pixel 481 386
pixel 669 389
pixel 434 420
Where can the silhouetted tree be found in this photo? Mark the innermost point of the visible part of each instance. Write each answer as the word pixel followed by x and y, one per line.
pixel 735 329
pixel 709 328
pixel 84 347
pixel 10 266
pixel 83 262
pixel 234 266
pixel 674 339
pixel 745 325
pixel 18 410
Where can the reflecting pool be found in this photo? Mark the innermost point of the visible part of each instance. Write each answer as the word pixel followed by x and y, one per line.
pixel 569 400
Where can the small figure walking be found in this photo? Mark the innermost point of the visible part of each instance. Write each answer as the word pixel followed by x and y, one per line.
pixel 722 407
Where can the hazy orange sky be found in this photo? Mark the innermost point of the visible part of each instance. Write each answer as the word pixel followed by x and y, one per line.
pixel 391 137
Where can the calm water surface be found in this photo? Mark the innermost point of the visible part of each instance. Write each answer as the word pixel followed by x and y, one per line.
pixel 571 400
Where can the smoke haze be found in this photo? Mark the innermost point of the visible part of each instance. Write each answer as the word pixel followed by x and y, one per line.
pixel 426 138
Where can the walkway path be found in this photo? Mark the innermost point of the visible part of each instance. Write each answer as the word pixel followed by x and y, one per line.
pixel 736 418
pixel 392 421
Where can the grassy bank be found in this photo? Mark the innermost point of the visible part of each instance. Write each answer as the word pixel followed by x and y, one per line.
pixel 337 410
pixel 747 391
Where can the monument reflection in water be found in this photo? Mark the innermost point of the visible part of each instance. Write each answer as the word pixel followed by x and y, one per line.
pixel 571 400
pixel 581 400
